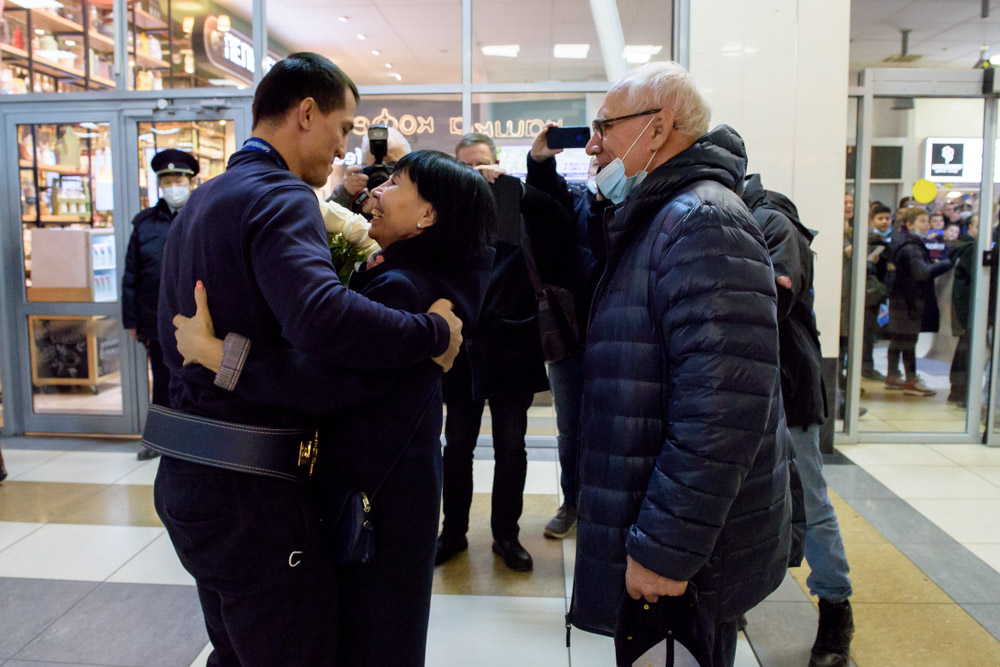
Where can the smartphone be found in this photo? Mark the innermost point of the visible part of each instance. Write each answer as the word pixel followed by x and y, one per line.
pixel 567 137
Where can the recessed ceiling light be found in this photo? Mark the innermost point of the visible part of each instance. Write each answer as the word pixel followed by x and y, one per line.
pixel 637 54
pixel 39 31
pixel 995 60
pixel 38 4
pixel 376 52
pixel 501 50
pixel 397 77
pixel 570 50
pixel 388 66
pixel 342 19
pixel 360 36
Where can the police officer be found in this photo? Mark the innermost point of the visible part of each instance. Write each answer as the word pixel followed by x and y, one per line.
pixel 141 282
pixel 228 488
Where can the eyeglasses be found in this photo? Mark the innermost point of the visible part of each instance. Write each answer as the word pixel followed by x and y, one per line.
pixel 601 125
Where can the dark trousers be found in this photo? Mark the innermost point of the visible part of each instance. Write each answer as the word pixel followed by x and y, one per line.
pixel 566 382
pixel 461 429
pixel 869 334
pixel 253 545
pixel 959 374
pixel 724 651
pixel 161 374
pixel 904 345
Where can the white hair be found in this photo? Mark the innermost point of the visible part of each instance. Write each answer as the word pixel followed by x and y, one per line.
pixel 396 138
pixel 666 85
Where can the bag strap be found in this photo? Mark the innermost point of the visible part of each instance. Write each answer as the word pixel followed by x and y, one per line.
pixel 529 259
pixel 402 450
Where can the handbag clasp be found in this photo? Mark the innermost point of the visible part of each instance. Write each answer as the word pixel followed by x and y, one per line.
pixel 308 451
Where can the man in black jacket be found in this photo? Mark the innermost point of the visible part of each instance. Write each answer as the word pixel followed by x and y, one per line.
pixel 141 282
pixel 502 363
pixel 804 398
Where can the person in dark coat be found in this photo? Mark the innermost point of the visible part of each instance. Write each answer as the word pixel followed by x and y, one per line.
pixel 501 363
pixel 684 472
pixel 432 219
pixel 913 304
pixel 570 263
pixel 141 280
pixel 804 398
pixel 876 281
pixel 963 256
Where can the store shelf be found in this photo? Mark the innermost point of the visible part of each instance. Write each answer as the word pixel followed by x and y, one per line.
pixel 57 219
pixel 64 169
pixel 13 51
pixel 147 21
pixel 101 41
pixel 149 62
pixel 46 20
pixel 55 69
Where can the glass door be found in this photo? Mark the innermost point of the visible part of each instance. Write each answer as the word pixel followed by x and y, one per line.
pixel 210 136
pixel 918 285
pixel 65 315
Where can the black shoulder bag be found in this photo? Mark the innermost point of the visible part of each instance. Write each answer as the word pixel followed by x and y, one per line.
pixel 557 323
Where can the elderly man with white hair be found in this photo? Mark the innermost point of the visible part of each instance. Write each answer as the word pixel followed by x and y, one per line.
pixel 684 478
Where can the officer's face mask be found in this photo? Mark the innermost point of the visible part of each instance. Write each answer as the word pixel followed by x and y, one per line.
pixel 612 181
pixel 176 195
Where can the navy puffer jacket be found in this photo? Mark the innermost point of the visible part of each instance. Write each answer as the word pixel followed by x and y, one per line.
pixel 681 465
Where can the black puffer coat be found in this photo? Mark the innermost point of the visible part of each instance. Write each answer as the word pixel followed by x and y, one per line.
pixel 913 306
pixel 681 464
pixel 141 280
pixel 788 240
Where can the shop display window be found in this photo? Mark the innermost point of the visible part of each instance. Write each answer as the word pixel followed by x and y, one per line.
pixel 517 42
pixel 67 197
pixel 49 46
pixel 212 142
pixel 416 42
pixel 75 364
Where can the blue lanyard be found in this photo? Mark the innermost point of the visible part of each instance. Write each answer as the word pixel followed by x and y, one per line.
pixel 257 145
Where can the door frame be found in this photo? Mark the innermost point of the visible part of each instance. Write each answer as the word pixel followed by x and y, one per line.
pixel 922 83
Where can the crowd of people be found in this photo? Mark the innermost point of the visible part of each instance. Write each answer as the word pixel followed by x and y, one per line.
pixel 667 304
pixel 909 254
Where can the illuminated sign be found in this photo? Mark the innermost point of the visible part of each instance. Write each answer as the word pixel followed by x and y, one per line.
pixel 410 125
pixel 956 160
pixel 231 51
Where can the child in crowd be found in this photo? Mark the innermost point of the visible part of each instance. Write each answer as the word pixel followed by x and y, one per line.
pixel 913 305
pixel 880 231
pixel 935 240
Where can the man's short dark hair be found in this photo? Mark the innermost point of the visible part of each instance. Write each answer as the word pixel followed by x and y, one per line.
pixel 473 138
pixel 878 209
pixel 297 77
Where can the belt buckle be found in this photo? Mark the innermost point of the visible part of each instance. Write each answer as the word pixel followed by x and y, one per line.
pixel 308 451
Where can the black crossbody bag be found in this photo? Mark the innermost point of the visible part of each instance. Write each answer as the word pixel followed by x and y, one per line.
pixel 345 511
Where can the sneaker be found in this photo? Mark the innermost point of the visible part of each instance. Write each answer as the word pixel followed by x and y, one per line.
pixel 833 636
pixel 562 523
pixel 872 374
pixel 894 382
pixel 916 387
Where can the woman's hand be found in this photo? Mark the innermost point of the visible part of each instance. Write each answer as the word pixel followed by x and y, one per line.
pixel 196 339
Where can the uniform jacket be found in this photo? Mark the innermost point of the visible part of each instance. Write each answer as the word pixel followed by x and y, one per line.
pixel 141 281
pixel 682 467
pixel 912 302
pixel 254 235
pixel 802 387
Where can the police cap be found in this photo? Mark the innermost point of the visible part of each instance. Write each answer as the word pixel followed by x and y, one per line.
pixel 173 161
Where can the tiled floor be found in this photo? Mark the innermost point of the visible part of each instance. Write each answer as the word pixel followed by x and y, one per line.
pixel 87 574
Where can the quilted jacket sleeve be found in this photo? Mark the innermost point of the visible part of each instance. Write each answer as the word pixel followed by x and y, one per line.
pixel 786 257
pixel 713 297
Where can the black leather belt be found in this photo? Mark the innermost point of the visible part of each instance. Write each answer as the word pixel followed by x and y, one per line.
pixel 285 453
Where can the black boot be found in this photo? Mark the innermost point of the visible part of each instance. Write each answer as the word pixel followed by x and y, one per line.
pixel 833 638
pixel 3 469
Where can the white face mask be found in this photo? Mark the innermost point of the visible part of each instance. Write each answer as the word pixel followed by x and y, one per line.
pixel 176 195
pixel 612 181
